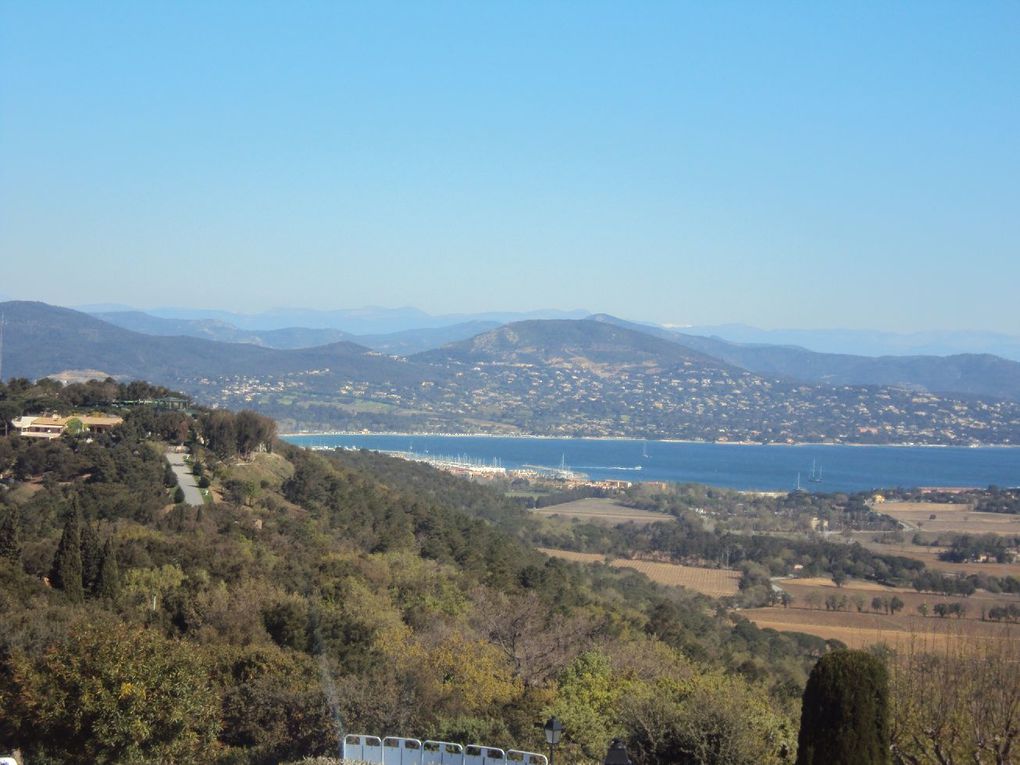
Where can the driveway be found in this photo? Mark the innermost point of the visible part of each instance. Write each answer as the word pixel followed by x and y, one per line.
pixel 185 479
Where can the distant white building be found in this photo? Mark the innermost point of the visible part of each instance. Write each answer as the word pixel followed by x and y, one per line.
pixel 50 426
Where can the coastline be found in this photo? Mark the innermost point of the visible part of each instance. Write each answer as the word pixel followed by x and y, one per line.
pixel 634 439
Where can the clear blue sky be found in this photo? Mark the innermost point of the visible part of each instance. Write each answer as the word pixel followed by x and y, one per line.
pixel 779 164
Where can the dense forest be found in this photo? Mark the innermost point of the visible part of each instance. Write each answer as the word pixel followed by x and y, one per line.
pixel 316 594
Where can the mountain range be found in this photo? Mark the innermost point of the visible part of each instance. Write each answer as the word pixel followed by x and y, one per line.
pixel 971 374
pixel 595 376
pixel 372 320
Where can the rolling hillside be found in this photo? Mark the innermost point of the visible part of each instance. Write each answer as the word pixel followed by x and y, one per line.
pixel 43 340
pixel 964 374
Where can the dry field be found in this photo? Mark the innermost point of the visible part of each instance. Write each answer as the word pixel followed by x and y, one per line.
pixel 860 630
pixel 959 519
pixel 714 582
pixel 929 556
pixel 800 589
pixel 605 511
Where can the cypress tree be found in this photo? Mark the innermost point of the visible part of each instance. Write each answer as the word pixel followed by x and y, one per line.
pixel 10 536
pixel 91 555
pixel 66 572
pixel 108 585
pixel 845 714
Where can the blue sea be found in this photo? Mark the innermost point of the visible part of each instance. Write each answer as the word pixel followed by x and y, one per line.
pixel 736 466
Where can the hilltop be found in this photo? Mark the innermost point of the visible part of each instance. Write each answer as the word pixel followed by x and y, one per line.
pixel 313 588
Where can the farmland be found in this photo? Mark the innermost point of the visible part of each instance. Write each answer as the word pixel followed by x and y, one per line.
pixel 949 518
pixel 714 582
pixel 604 511
pixel 930 557
pixel 802 591
pixel 858 630
pixel 858 623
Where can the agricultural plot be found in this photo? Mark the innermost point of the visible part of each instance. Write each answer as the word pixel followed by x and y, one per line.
pixel 605 511
pixel 810 594
pixel 930 557
pixel 940 518
pixel 861 630
pixel 714 582
pixel 860 623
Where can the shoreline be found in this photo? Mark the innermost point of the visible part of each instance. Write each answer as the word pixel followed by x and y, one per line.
pixel 400 434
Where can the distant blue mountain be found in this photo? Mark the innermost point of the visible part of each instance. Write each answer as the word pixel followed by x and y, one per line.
pixel 971 374
pixel 370 320
pixel 865 342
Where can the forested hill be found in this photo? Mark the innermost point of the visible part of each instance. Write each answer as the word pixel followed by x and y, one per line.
pixel 550 340
pixel 316 591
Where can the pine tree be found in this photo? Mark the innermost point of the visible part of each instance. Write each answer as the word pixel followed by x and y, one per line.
pixel 845 715
pixel 10 536
pixel 108 584
pixel 66 572
pixel 91 555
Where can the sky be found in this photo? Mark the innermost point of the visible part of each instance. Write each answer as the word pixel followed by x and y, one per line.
pixel 776 164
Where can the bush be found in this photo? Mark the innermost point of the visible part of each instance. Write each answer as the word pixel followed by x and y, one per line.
pixel 845 714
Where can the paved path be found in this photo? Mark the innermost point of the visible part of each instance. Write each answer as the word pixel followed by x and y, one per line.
pixel 185 479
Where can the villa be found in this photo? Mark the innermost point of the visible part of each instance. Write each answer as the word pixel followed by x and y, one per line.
pixel 52 426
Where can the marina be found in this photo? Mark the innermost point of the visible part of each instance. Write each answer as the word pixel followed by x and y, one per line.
pixel 815 468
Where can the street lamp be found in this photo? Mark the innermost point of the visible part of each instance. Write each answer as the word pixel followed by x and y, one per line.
pixel 617 754
pixel 553 731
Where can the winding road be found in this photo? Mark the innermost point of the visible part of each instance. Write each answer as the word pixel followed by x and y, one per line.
pixel 185 479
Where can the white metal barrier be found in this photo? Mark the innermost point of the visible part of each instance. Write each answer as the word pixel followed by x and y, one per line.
pixel 362 749
pixel 476 754
pixel 395 750
pixel 401 751
pixel 442 753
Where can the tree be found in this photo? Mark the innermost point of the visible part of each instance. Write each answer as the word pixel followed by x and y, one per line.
pixel 10 536
pixel 66 573
pixel 91 558
pixel 108 693
pixel 895 604
pixel 178 495
pixel 923 609
pixel 108 584
pixel 876 603
pixel 956 701
pixel 707 719
pixel 845 712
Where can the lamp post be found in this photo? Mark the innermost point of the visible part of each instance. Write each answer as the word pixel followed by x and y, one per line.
pixel 553 731
pixel 617 754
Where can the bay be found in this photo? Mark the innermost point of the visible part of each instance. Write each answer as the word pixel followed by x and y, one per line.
pixel 736 466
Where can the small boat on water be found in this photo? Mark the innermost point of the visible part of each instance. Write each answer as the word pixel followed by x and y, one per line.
pixel 816 474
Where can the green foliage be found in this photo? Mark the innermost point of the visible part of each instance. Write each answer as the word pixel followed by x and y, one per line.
pixel 111 693
pixel 91 558
pixel 108 583
pixel 66 573
pixel 10 535
pixel 845 714
pixel 708 719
